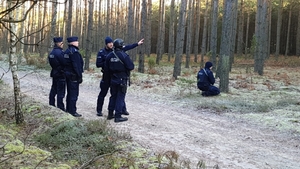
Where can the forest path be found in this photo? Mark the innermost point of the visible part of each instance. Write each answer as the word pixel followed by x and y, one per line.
pixel 195 134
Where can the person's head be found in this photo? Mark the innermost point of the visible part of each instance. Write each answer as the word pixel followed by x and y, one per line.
pixel 109 42
pixel 58 41
pixel 118 44
pixel 208 65
pixel 73 40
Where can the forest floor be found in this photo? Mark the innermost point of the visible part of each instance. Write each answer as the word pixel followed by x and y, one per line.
pixel 255 125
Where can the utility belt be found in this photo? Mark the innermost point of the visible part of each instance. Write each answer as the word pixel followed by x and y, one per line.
pixel 57 75
pixel 72 76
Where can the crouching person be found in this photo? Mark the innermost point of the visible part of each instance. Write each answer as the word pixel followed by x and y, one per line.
pixel 206 80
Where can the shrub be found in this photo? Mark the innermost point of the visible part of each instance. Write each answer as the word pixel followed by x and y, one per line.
pixel 79 140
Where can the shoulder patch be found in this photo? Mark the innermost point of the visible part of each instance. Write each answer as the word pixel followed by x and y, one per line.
pixel 66 56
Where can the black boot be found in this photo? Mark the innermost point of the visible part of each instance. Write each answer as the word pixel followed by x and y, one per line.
pixel 110 115
pixel 99 114
pixel 125 113
pixel 120 119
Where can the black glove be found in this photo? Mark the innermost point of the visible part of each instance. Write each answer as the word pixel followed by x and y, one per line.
pixel 80 80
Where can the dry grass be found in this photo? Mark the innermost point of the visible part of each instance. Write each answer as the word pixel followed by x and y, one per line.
pixel 261 99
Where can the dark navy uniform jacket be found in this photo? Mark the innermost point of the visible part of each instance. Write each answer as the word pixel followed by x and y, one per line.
pixel 57 62
pixel 103 53
pixel 118 66
pixel 74 62
pixel 205 78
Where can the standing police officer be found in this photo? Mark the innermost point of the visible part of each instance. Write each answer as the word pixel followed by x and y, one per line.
pixel 118 65
pixel 105 81
pixel 57 63
pixel 73 71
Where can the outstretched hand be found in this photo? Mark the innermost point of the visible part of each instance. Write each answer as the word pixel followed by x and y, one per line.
pixel 141 42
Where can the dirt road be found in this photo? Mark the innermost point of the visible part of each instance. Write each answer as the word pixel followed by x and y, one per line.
pixel 195 134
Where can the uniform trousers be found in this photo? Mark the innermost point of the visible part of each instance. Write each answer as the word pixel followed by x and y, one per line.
pixel 72 95
pixel 58 89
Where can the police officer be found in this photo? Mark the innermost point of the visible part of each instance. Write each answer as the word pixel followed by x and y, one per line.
pixel 57 63
pixel 73 71
pixel 118 65
pixel 206 81
pixel 105 81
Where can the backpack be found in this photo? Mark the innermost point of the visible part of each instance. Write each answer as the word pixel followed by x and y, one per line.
pixel 202 82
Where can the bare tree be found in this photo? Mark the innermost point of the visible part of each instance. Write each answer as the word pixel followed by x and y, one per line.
pixel 279 23
pixel 204 35
pixel 53 24
pixel 180 40
pixel 226 44
pixel 288 31
pixel 189 35
pixel 240 41
pixel 89 39
pixel 130 25
pixel 197 30
pixel 142 50
pixel 234 32
pixel 298 36
pixel 83 23
pixel 69 21
pixel 261 34
pixel 148 28
pixel 43 33
pixel 171 46
pixel 269 26
pixel 214 32
pixel 161 31
pixel 13 65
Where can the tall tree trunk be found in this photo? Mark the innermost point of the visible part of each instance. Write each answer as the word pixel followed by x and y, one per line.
pixel 43 49
pixel 240 41
pixel 89 39
pixel 130 24
pixel 269 30
pixel 118 21
pixel 279 23
pixel 14 68
pixel 180 39
pixel 108 17
pixel 261 34
pixel 226 44
pixel 30 39
pixel 53 25
pixel 204 36
pixel 288 33
pixel 189 35
pixel 137 25
pixel 171 46
pixel 247 34
pixel 83 24
pixel 148 34
pixel 65 22
pixel 69 21
pixel 161 30
pixel 197 31
pixel 234 32
pixel 142 49
pixel 214 33
pixel 21 35
pixel 298 36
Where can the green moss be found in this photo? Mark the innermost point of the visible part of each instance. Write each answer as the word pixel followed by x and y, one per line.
pixel 15 146
pixel 32 150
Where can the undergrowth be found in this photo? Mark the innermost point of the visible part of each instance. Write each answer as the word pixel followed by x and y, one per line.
pixel 79 140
